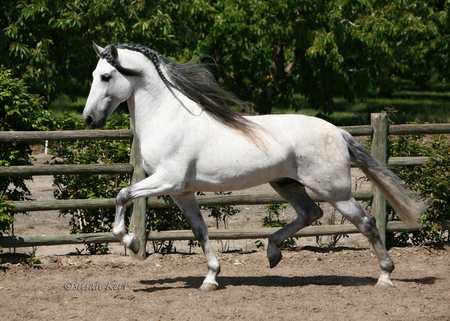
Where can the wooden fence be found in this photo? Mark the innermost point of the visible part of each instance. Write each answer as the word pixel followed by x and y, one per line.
pixel 378 130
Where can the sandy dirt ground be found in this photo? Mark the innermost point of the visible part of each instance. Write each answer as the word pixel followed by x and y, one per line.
pixel 310 283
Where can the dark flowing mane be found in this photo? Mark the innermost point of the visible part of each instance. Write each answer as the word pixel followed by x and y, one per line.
pixel 195 81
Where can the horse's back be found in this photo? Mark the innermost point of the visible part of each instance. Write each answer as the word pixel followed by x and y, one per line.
pixel 302 125
pixel 305 134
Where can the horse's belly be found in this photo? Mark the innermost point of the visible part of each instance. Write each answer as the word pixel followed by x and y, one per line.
pixel 239 171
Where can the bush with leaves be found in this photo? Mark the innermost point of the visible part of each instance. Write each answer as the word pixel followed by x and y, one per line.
pixel 432 180
pixel 90 186
pixel 273 215
pixel 20 111
pixel 6 219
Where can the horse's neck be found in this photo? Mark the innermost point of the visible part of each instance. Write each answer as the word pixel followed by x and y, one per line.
pixel 155 107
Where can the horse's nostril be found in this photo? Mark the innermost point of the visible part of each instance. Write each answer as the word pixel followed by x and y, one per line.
pixel 88 120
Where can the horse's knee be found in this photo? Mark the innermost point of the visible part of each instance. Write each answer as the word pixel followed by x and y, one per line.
pixel 118 230
pixel 123 196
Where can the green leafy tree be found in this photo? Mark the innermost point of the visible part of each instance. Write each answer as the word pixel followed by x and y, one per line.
pixel 269 49
pixel 48 43
pixel 348 48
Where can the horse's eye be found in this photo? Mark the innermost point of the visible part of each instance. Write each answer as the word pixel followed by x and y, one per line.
pixel 105 77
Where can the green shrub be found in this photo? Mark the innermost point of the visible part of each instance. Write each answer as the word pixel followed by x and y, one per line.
pixel 6 219
pixel 431 180
pixel 273 215
pixel 89 186
pixel 19 111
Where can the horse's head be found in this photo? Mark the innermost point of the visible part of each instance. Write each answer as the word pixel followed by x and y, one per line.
pixel 111 85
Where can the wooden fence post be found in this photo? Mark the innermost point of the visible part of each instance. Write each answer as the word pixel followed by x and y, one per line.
pixel 379 123
pixel 138 220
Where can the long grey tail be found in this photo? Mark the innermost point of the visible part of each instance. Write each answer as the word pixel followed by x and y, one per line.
pixel 386 181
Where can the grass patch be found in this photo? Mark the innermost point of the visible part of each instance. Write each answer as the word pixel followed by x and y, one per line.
pixel 430 106
pixel 64 104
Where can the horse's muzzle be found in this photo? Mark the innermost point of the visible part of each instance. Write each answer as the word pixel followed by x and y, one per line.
pixel 93 125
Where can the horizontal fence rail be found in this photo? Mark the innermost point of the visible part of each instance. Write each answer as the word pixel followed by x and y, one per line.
pixel 154 202
pixel 183 235
pixel 88 169
pixel 426 129
pixel 12 136
pixel 81 169
pixel 209 200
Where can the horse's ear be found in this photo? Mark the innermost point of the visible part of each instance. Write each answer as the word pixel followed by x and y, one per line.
pixel 98 49
pixel 114 53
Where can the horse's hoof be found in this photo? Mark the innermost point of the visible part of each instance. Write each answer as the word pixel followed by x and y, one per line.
pixel 274 258
pixel 135 245
pixel 273 255
pixel 273 261
pixel 384 285
pixel 208 287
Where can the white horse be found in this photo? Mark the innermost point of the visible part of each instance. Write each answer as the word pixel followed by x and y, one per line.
pixel 192 141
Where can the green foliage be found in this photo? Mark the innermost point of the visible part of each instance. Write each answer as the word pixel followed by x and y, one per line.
pixel 431 180
pixel 321 49
pixel 90 186
pixel 221 212
pixel 19 110
pixel 49 42
pixel 6 219
pixel 33 260
pixel 272 219
pixel 354 46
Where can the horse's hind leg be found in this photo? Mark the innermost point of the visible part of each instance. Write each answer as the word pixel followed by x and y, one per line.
pixel 307 211
pixel 356 214
pixel 189 206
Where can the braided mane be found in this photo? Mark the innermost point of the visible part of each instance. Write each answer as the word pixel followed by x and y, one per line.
pixel 195 81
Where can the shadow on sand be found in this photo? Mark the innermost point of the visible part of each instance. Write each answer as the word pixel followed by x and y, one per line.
pixel 271 281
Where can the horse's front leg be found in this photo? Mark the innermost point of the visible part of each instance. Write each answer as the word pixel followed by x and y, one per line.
pixel 189 206
pixel 151 186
